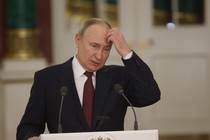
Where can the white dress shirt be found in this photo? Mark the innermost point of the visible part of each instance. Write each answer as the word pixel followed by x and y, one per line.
pixel 80 78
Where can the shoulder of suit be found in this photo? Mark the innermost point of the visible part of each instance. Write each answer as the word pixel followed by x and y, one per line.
pixel 110 68
pixel 54 67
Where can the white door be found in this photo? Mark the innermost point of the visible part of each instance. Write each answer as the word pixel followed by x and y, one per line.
pixel 180 61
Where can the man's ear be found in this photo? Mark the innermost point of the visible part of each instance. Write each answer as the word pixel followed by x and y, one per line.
pixel 77 38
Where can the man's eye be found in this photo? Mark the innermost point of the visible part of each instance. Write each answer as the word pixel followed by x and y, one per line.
pixel 94 45
pixel 107 49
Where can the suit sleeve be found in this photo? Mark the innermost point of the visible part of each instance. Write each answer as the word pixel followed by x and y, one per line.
pixel 141 87
pixel 32 122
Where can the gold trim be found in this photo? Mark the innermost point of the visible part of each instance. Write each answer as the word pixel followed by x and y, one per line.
pixel 187 18
pixel 22 44
pixel 79 11
pixel 161 17
pixel 111 11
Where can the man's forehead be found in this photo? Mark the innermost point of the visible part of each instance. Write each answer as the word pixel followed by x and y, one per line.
pixel 96 27
pixel 107 44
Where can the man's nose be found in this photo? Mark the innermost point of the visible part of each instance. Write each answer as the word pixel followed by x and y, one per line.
pixel 99 53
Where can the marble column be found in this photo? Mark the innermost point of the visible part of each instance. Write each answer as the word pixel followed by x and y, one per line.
pixel 190 11
pixel 22 59
pixel 22 32
pixel 111 12
pixel 162 12
pixel 80 10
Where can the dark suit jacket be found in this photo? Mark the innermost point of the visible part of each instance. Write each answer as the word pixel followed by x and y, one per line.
pixel 44 103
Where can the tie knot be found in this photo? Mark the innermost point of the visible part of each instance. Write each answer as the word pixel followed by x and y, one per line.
pixel 88 74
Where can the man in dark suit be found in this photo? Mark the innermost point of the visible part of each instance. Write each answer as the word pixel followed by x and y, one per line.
pixel 94 42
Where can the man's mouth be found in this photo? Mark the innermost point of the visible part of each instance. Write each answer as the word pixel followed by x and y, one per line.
pixel 95 63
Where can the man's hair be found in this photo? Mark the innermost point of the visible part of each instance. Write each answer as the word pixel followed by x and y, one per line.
pixel 90 22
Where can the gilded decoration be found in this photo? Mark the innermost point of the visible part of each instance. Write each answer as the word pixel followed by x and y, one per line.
pixel 22 33
pixel 100 137
pixel 77 11
pixel 22 44
pixel 180 12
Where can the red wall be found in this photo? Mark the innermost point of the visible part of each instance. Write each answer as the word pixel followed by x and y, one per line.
pixel 2 29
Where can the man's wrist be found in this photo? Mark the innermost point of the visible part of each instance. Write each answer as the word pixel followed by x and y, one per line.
pixel 128 56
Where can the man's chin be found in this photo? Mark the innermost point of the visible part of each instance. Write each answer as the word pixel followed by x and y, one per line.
pixel 93 69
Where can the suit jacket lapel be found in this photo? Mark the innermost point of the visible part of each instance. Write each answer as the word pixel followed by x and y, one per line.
pixel 73 102
pixel 102 86
pixel 103 81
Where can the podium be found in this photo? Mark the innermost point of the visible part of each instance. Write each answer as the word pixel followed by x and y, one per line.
pixel 107 135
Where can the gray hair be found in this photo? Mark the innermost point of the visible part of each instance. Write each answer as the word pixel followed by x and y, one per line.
pixel 90 22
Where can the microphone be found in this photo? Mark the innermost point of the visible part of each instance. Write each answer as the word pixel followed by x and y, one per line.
pixel 119 90
pixel 63 92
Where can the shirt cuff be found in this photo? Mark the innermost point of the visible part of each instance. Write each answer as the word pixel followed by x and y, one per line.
pixel 128 56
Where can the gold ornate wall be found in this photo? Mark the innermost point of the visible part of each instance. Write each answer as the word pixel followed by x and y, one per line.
pixel 180 12
pixel 78 11
pixel 22 31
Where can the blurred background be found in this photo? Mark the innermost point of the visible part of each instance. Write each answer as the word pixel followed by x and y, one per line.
pixel 171 36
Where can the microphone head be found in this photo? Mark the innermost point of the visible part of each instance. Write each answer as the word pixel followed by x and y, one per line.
pixel 118 88
pixel 63 91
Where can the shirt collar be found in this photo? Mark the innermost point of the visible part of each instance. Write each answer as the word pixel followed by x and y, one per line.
pixel 78 69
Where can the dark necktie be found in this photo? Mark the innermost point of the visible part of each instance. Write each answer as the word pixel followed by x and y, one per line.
pixel 88 95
